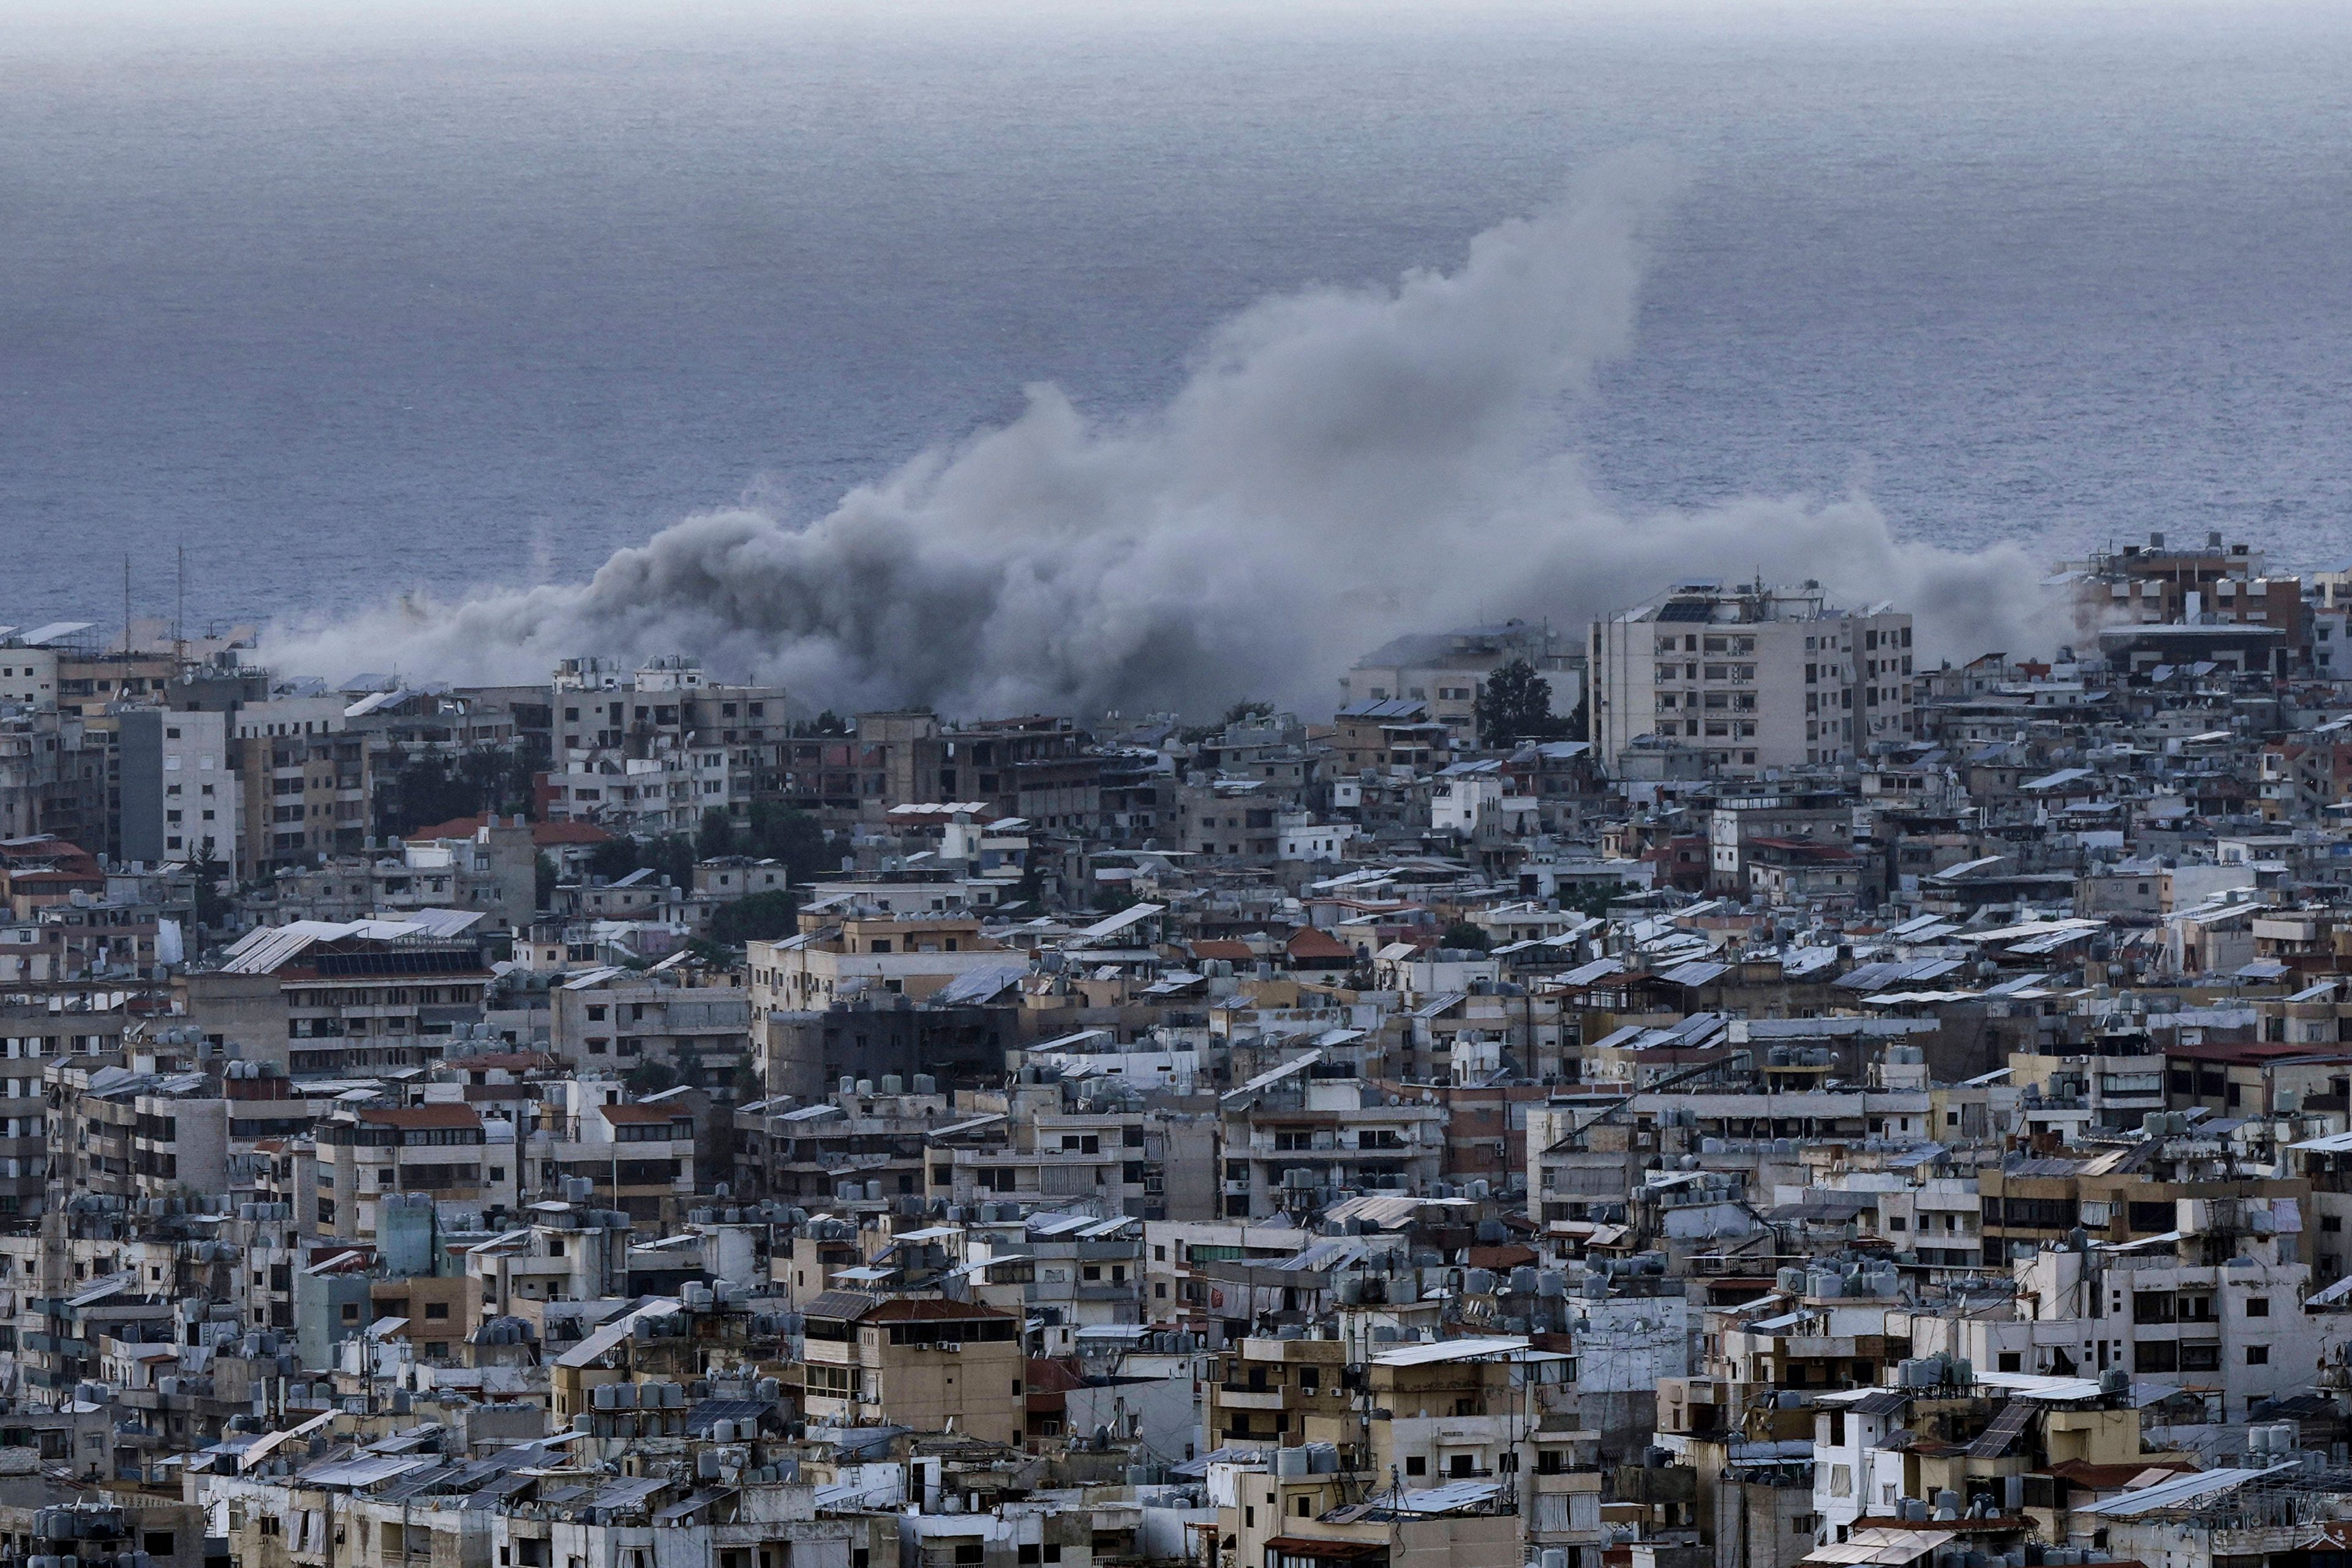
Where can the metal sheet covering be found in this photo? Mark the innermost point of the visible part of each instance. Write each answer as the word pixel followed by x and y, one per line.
pixel 1450 1349
pixel 2180 1492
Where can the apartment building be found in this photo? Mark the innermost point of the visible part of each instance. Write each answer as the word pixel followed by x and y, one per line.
pixel 304 784
pixel 1446 670
pixel 490 868
pixel 716 742
pixel 1743 829
pixel 666 792
pixel 636 1157
pixel 316 999
pixel 930 1364
pixel 1291 1140
pixel 609 1019
pixel 849 1148
pixel 877 1038
pixel 2216 1312
pixel 1751 677
pixel 368 1154
pixel 916 955
pixel 28 675
pixel 178 792
pixel 1112 1160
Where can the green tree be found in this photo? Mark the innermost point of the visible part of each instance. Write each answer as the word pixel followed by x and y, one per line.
pixel 762 916
pixel 1463 934
pixel 1514 704
pixel 715 837
pixel 544 876
pixel 420 788
pixel 672 855
pixel 1249 711
pixel 614 858
pixel 650 1077
pixel 793 838
pixel 1590 898
pixel 211 904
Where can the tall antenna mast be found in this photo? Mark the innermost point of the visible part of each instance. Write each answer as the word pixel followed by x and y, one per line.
pixel 180 612
pixel 126 603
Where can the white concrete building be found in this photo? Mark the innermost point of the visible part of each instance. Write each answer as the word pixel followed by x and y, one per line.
pixel 1754 676
pixel 2213 1308
pixel 28 676
pixel 179 793
pixel 1446 670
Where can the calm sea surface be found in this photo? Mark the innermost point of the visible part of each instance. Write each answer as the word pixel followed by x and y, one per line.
pixel 469 295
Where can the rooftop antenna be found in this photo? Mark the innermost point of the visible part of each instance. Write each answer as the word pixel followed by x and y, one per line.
pixel 180 611
pixel 126 603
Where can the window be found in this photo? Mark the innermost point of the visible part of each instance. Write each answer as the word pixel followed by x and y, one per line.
pixel 2258 1306
pixel 1417 1464
pixel 2258 1355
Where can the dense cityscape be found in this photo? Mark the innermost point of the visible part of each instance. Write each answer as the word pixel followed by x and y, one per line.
pixel 1707 1085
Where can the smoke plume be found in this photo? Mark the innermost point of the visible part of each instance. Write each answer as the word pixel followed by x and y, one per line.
pixel 1339 466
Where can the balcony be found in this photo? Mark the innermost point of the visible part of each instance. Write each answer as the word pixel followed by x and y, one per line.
pixel 1234 1397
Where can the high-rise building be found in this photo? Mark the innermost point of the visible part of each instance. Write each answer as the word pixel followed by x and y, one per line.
pixel 1752 677
pixel 179 790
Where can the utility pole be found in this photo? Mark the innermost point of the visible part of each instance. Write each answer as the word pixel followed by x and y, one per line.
pixel 126 603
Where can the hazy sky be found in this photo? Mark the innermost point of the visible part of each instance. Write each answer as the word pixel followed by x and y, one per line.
pixel 353 300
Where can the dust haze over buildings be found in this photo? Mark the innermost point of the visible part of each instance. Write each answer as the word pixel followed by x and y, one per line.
pixel 1985 269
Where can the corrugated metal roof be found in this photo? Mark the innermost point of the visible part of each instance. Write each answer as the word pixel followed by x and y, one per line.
pixel 1450 1349
pixel 2179 1491
pixel 977 986
pixel 360 1472
pixel 1889 1548
pixel 613 1333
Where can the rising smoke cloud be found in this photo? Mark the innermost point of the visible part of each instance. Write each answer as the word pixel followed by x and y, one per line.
pixel 1339 466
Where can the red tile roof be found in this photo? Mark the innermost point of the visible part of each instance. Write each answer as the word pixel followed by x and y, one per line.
pixel 645 1115
pixel 931 1309
pixel 1308 941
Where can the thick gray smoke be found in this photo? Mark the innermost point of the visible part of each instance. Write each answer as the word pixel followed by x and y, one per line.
pixel 1339 466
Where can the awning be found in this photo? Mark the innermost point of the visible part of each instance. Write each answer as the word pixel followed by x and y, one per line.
pixel 1326 1550
pixel 1890 1548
